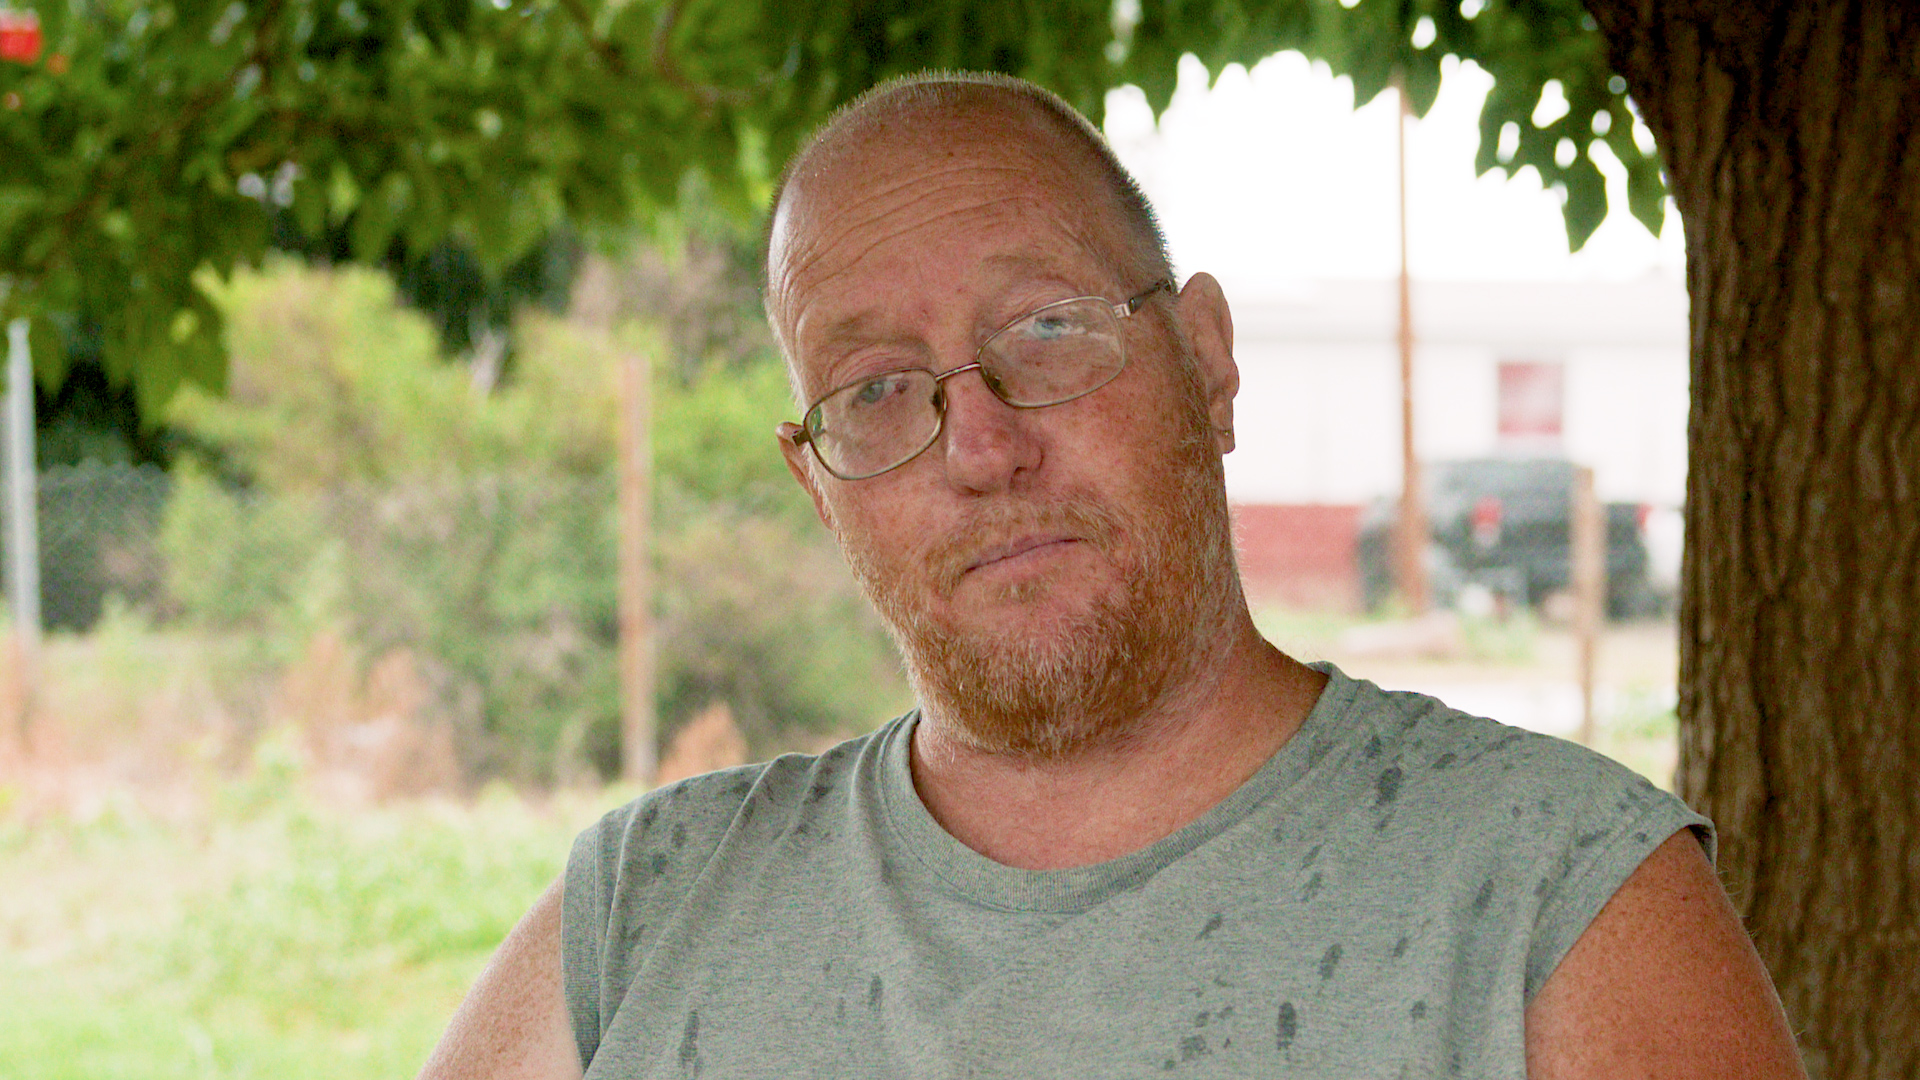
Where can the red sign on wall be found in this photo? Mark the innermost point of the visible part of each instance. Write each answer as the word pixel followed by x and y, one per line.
pixel 1531 399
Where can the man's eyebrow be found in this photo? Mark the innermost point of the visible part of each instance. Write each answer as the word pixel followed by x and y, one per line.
pixel 1020 262
pixel 864 328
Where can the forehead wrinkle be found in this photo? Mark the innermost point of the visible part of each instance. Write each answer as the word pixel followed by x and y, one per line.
pixel 901 197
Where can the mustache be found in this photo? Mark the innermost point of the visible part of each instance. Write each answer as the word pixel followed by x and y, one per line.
pixel 994 525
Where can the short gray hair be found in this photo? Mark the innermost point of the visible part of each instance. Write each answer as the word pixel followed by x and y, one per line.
pixel 954 90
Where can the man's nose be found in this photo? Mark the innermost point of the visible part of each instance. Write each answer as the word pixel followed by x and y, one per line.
pixel 986 442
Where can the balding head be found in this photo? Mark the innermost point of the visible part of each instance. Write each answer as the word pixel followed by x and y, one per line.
pixel 1028 128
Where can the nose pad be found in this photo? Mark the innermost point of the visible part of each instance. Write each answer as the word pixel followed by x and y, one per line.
pixel 992 379
pixel 986 441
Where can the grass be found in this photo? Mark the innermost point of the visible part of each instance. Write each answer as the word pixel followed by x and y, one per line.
pixel 268 935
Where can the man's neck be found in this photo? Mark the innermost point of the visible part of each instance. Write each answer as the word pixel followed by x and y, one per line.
pixel 1166 768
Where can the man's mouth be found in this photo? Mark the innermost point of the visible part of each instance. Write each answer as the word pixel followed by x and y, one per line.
pixel 1016 548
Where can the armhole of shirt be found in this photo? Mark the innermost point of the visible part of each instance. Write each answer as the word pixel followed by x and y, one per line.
pixel 1569 909
pixel 583 920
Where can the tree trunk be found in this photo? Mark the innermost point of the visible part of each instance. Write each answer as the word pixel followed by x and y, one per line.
pixel 1791 136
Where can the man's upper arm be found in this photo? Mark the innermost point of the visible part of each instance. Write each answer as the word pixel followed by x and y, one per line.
pixel 1663 983
pixel 513 1024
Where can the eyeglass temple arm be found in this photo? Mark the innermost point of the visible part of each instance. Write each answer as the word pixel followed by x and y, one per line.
pixel 1132 303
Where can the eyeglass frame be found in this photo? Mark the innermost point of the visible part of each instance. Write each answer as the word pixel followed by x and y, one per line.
pixel 799 435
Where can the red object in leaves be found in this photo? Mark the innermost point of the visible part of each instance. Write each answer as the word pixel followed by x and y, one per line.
pixel 19 36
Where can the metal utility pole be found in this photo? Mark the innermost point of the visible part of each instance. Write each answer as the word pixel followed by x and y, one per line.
pixel 23 543
pixel 1410 539
pixel 23 525
pixel 1589 572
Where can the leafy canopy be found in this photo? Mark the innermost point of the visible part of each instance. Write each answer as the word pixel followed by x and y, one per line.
pixel 147 147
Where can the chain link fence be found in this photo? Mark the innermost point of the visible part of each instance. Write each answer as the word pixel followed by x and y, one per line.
pixel 99 524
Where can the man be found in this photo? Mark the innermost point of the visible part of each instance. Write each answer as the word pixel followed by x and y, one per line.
pixel 1122 834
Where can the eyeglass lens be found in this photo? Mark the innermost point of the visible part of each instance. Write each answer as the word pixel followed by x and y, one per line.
pixel 1061 352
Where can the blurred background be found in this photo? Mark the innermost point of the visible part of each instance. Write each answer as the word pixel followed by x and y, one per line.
pixel 331 666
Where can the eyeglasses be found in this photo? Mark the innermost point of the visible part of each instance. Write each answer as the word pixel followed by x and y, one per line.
pixel 1060 352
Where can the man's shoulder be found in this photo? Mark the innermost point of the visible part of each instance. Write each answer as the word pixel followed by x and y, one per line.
pixel 771 796
pixel 1415 750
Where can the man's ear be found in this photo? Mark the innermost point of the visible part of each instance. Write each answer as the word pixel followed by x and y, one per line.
pixel 797 464
pixel 1209 327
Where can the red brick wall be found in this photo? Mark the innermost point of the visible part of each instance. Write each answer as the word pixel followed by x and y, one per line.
pixel 1299 556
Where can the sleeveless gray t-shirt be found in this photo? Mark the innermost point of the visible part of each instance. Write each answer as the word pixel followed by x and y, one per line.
pixel 1381 899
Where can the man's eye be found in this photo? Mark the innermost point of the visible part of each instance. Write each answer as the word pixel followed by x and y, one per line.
pixel 874 391
pixel 1052 328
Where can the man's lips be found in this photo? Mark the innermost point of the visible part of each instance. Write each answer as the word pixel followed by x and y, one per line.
pixel 1015 548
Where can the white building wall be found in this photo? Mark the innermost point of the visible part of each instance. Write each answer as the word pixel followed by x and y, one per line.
pixel 1318 416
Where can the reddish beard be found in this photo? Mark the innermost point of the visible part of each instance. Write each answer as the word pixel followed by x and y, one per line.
pixel 1082 677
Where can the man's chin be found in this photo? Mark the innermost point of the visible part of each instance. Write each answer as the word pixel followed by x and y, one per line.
pixel 1002 614
pixel 1038 678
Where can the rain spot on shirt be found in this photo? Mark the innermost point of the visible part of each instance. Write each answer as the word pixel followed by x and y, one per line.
pixel 876 992
pixel 1483 898
pixel 690 1044
pixel 1443 761
pixel 1286 1026
pixel 1587 840
pixel 1641 837
pixel 1387 788
pixel 1311 856
pixel 1193 1046
pixel 1419 1010
pixel 1330 962
pixel 1213 924
pixel 1400 947
pixel 679 835
pixel 1516 812
pixel 1312 888
pixel 1374 748
pixel 1315 752
pixel 659 866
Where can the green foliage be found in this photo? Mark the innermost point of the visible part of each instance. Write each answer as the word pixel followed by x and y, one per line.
pixel 241 562
pixel 371 491
pixel 1524 44
pixel 143 157
pixel 265 936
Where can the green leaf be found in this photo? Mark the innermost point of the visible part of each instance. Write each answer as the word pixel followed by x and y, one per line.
pixel 1586 205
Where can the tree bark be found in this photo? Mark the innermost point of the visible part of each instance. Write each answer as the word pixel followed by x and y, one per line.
pixel 1791 137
